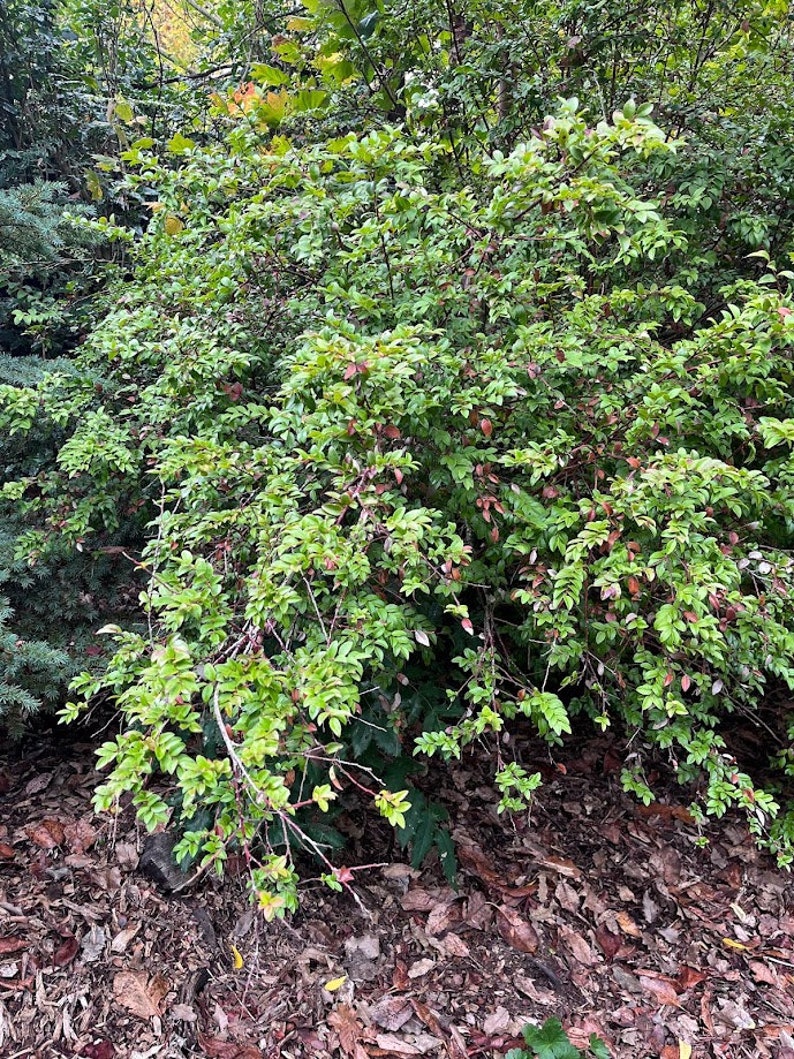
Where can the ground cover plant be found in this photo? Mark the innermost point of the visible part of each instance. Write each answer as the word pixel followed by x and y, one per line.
pixel 420 438
pixel 550 1041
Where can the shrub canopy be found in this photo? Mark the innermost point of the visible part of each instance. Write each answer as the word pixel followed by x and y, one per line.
pixel 426 432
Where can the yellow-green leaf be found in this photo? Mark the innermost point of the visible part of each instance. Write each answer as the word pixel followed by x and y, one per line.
pixel 268 75
pixel 123 110
pixel 173 225
pixel 178 144
pixel 735 945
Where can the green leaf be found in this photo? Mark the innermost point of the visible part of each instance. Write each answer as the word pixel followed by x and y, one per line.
pixel 368 24
pixel 598 1048
pixel 309 99
pixel 123 110
pixel 178 144
pixel 269 76
pixel 550 1041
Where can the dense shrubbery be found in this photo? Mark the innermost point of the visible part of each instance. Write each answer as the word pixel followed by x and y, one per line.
pixel 68 70
pixel 423 440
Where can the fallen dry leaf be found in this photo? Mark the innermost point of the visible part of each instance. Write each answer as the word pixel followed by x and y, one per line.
pixel 183 1013
pixel 675 812
pixel 78 860
pixel 661 988
pixel 610 943
pixel 420 968
pixel 99 1050
pixel 8 945
pixel 497 1022
pixel 93 944
pixel 442 917
pixel 6 851
pixel 139 994
pixel 666 862
pixel 17 985
pixel 650 909
pixel 79 836
pixel 124 937
pixel 399 871
pixel 452 945
pixel 419 1044
pixel 391 1012
pixel 705 1010
pixel 348 1029
pixel 480 865
pixel 215 1048
pixel 579 949
pixel 566 896
pixel 38 783
pixel 627 925
pixel 399 979
pixel 478 912
pixel 579 1035
pixel 367 945
pixel 474 860
pixel 762 973
pixel 46 834
pixel 689 977
pixel 418 900
pixel 516 931
pixel 561 865
pixel 107 878
pixel 127 855
pixel 66 952
pixel 734 1015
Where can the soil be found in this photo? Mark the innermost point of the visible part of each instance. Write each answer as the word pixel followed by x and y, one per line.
pixel 618 919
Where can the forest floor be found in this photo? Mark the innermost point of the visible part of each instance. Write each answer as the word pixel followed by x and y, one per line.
pixel 599 911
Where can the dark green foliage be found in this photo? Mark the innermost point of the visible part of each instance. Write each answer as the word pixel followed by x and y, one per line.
pixel 43 268
pixel 51 606
pixel 32 672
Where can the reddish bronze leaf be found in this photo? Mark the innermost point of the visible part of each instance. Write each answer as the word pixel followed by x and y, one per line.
pixel 215 1048
pixel 689 977
pixel 65 952
pixel 100 1050
pixel 8 945
pixel 610 943
pixel 348 1029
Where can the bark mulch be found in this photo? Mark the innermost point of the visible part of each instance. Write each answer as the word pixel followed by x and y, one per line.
pixel 606 914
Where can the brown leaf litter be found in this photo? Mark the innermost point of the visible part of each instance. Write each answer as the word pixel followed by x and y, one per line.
pixel 606 914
